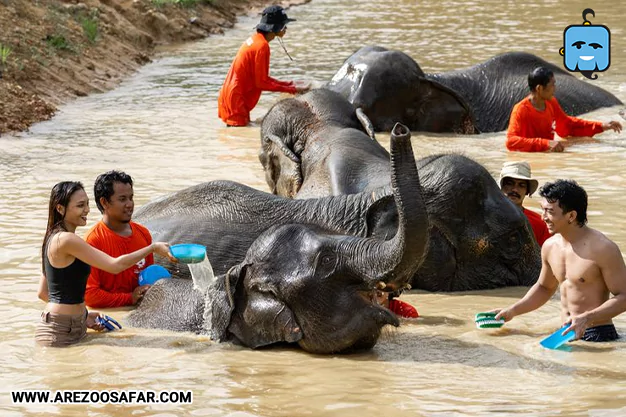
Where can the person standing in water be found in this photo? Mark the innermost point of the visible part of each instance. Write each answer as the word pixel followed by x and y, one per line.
pixel 586 265
pixel 536 118
pixel 66 260
pixel 249 73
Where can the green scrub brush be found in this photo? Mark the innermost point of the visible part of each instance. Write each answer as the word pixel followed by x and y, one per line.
pixel 488 321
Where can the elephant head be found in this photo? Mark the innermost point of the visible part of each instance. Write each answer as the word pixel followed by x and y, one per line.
pixel 485 244
pixel 312 126
pixel 389 86
pixel 300 284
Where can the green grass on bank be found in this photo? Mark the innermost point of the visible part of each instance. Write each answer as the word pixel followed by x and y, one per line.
pixel 5 51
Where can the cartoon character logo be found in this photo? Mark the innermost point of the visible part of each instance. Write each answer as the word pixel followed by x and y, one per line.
pixel 587 47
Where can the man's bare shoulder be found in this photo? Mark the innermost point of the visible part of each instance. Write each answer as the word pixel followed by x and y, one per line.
pixel 602 245
pixel 553 242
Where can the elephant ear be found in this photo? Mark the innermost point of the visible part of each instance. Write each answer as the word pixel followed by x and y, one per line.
pixel 442 109
pixel 282 166
pixel 256 318
pixel 382 218
pixel 220 303
pixel 264 320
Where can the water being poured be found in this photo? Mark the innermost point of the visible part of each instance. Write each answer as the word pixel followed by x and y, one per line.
pixel 202 274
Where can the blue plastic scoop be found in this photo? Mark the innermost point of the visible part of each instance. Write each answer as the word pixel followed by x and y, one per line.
pixel 152 274
pixel 188 253
pixel 556 339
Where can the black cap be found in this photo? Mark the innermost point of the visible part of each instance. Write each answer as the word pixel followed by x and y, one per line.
pixel 273 19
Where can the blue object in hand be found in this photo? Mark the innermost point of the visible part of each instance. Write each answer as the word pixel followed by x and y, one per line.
pixel 556 339
pixel 188 253
pixel 152 274
pixel 108 322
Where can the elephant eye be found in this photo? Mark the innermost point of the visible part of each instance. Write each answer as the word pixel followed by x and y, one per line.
pixel 595 45
pixel 327 260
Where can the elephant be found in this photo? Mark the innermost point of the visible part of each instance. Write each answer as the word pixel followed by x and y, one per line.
pixel 389 85
pixel 328 115
pixel 478 238
pixel 297 282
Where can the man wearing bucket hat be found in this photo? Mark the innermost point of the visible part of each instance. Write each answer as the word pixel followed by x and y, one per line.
pixel 516 183
pixel 249 73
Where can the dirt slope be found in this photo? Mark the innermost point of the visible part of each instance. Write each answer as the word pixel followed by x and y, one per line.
pixel 52 51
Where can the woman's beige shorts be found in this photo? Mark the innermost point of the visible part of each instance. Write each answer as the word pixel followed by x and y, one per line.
pixel 60 330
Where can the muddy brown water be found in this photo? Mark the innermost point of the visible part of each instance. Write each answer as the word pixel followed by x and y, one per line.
pixel 161 127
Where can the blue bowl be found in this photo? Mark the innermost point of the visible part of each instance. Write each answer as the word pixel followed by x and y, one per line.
pixel 556 339
pixel 152 274
pixel 188 253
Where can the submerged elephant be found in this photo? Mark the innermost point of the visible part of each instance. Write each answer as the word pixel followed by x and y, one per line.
pixel 487 91
pixel 298 283
pixel 388 86
pixel 478 238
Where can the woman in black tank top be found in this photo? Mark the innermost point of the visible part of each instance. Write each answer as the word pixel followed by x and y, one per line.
pixel 66 260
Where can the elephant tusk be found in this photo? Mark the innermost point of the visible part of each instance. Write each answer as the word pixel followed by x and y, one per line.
pixel 366 122
pixel 227 285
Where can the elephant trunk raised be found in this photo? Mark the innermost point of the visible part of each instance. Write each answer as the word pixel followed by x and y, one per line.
pixel 395 261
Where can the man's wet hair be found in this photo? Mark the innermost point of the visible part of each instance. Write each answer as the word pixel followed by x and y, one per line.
pixel 103 187
pixel 539 76
pixel 569 195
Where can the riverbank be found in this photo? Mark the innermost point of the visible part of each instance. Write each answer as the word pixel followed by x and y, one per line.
pixel 55 51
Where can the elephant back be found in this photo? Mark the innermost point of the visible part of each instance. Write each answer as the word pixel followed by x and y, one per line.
pixel 494 87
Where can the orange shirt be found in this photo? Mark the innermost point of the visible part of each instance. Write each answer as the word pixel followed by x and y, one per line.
pixel 105 290
pixel 540 229
pixel 247 78
pixel 531 129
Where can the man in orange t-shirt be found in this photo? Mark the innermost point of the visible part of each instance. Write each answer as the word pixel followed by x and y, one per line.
pixel 535 119
pixel 116 235
pixel 249 73
pixel 516 183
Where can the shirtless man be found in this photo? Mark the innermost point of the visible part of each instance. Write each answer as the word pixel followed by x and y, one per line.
pixel 584 262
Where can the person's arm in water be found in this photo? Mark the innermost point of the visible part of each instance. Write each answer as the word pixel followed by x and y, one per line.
pixel 567 126
pixel 517 137
pixel 609 259
pixel 42 292
pixel 538 295
pixel 263 80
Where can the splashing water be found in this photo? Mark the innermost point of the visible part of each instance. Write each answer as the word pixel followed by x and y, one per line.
pixel 202 274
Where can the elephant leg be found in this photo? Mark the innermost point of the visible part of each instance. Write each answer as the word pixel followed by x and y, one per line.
pixel 170 304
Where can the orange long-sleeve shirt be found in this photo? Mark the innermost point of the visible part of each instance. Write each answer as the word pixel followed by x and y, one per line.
pixel 247 78
pixel 531 129
pixel 105 290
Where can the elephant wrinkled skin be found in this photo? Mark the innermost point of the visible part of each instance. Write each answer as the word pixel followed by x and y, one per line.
pixel 478 238
pixel 390 86
pixel 298 283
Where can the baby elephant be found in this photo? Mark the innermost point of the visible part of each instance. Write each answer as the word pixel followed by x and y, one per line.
pixel 301 284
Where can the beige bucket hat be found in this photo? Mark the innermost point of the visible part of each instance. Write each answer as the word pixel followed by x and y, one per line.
pixel 519 170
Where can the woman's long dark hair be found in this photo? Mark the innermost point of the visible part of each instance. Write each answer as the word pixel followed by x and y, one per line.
pixel 60 194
